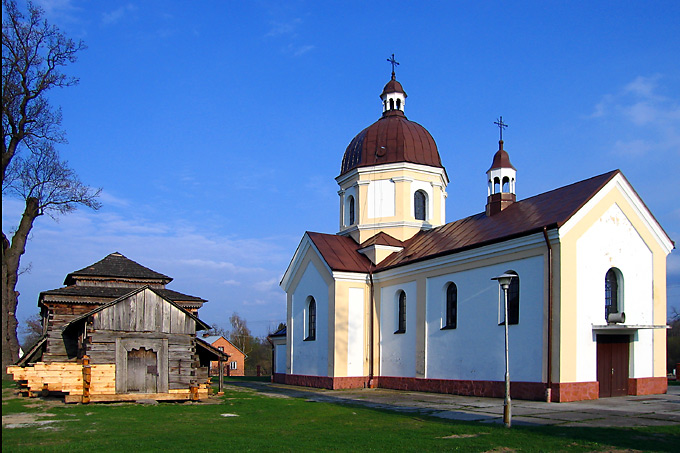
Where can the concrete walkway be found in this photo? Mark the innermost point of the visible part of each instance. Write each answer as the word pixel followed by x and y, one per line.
pixel 625 411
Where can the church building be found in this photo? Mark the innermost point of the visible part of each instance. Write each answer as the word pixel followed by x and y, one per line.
pixel 400 299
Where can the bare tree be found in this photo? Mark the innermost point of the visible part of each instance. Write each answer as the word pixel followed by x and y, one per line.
pixel 33 52
pixel 240 335
pixel 31 331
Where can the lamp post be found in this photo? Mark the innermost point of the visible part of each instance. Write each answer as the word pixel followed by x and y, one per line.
pixel 504 282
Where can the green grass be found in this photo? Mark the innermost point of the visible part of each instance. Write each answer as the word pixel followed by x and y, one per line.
pixel 266 423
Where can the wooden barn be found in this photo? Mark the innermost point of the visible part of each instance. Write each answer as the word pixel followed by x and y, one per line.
pixel 116 333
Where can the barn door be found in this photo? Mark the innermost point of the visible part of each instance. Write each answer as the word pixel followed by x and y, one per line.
pixel 142 371
pixel 612 364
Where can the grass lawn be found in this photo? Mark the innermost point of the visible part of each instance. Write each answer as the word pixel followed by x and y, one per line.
pixel 248 421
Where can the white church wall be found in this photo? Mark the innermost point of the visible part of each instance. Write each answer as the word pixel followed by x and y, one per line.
pixel 310 357
pixel 475 350
pixel 381 199
pixel 279 358
pixel 355 333
pixel 397 351
pixel 612 241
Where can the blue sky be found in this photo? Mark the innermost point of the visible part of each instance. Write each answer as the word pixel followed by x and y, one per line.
pixel 216 128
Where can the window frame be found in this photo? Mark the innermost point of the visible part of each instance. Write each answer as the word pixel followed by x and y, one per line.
pixel 401 312
pixel 615 293
pixel 310 321
pixel 450 318
pixel 351 217
pixel 420 193
pixel 513 301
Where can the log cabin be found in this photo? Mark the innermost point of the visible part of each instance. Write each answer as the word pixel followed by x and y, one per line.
pixel 116 333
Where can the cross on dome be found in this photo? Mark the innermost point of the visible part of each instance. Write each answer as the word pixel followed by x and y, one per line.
pixel 501 125
pixel 394 63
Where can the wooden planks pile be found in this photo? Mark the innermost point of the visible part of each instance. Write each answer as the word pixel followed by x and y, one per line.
pixel 103 379
pixel 64 377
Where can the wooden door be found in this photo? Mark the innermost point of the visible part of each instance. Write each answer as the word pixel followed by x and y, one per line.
pixel 612 364
pixel 142 371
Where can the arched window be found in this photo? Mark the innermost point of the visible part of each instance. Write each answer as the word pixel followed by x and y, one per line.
pixel 451 320
pixel 513 299
pixel 401 309
pixel 496 185
pixel 398 103
pixel 611 293
pixel 391 104
pixel 420 205
pixel 506 184
pixel 311 320
pixel 350 203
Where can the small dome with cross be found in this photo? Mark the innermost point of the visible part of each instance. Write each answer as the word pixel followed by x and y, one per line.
pixel 393 138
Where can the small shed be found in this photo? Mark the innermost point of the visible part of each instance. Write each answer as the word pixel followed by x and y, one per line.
pixel 141 345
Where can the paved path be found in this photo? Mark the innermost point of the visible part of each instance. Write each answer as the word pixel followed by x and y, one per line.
pixel 649 410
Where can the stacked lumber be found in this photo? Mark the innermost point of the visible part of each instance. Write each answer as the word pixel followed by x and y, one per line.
pixel 103 379
pixel 64 377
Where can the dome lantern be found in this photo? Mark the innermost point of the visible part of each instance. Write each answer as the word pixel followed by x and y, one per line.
pixel 393 95
pixel 500 178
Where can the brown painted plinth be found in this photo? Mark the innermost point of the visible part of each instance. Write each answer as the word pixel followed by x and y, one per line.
pixel 493 389
pixel 575 391
pixel 647 386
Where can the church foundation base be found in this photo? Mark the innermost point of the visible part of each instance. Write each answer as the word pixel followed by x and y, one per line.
pixel 324 382
pixel 491 389
pixel 575 391
pixel 647 386
pixel 536 391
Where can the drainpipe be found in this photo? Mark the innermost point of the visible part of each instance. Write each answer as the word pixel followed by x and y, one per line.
pixel 370 332
pixel 548 391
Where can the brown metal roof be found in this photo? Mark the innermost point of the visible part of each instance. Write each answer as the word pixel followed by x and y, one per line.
pixel 115 292
pixel 550 209
pixel 382 238
pixel 117 265
pixel 340 252
pixel 501 159
pixel 393 138
pixel 393 86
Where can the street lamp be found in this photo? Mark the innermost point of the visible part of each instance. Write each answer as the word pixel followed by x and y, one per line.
pixel 504 282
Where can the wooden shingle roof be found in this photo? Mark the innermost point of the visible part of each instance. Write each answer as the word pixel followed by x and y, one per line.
pixel 200 325
pixel 104 292
pixel 116 265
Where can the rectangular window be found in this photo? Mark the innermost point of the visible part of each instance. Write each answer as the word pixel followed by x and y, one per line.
pixel 401 315
pixel 513 302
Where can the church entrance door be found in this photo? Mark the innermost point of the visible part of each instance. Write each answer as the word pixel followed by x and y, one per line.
pixel 612 364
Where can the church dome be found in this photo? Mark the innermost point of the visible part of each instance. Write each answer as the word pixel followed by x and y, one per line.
pixel 501 159
pixel 393 138
pixel 393 86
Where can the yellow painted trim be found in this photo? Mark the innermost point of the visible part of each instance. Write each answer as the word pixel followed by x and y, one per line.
pixel 568 284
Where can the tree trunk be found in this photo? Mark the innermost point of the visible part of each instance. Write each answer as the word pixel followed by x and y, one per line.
pixel 11 256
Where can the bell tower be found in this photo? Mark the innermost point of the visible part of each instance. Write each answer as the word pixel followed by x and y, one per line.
pixel 501 178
